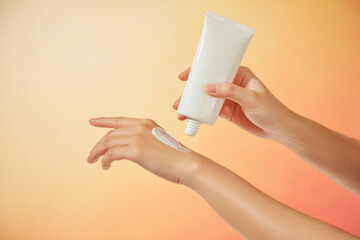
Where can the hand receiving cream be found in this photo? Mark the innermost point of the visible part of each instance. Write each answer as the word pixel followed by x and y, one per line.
pixel 168 139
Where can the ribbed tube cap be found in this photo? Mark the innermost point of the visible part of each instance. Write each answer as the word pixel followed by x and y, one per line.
pixel 192 126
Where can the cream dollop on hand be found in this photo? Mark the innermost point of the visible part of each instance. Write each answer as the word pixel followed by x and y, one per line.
pixel 168 139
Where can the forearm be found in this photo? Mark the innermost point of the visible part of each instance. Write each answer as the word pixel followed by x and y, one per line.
pixel 252 213
pixel 334 154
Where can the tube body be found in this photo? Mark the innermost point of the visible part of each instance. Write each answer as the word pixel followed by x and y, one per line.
pixel 221 47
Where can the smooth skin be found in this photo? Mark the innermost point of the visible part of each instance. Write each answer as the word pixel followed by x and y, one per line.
pixel 252 213
pixel 251 106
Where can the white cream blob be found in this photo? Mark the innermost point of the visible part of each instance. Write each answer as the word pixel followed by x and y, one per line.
pixel 168 139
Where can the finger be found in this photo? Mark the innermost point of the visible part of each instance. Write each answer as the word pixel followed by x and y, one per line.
pixel 185 74
pixel 228 109
pixel 119 132
pixel 116 153
pixel 175 106
pixel 126 131
pixel 181 117
pixel 176 103
pixel 115 122
pixel 104 144
pixel 230 91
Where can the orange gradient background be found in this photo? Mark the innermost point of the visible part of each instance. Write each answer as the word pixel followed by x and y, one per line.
pixel 63 62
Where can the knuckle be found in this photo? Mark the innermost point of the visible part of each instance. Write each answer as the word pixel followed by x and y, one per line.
pixel 227 88
pixel 245 70
pixel 106 142
pixel 137 139
pixel 109 154
pixel 111 132
pixel 254 97
pixel 142 128
pixel 135 150
pixel 149 122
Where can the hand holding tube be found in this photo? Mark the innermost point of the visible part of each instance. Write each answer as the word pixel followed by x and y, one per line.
pixel 249 104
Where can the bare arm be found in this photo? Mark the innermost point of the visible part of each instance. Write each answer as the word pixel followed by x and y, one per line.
pixel 332 153
pixel 252 213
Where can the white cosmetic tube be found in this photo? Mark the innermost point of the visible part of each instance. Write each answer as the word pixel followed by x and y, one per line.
pixel 221 47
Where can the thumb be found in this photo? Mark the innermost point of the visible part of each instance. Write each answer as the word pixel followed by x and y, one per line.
pixel 229 91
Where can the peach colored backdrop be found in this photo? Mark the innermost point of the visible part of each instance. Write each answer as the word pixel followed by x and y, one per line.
pixel 63 62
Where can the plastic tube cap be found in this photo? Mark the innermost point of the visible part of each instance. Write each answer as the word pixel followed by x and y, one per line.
pixel 192 127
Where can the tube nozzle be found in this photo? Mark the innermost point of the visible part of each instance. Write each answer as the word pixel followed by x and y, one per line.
pixel 192 127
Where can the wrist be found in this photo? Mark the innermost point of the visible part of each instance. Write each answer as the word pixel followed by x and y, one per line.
pixel 198 162
pixel 292 129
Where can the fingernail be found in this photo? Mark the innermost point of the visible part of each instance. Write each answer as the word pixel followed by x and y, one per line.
pixel 106 167
pixel 94 120
pixel 211 88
